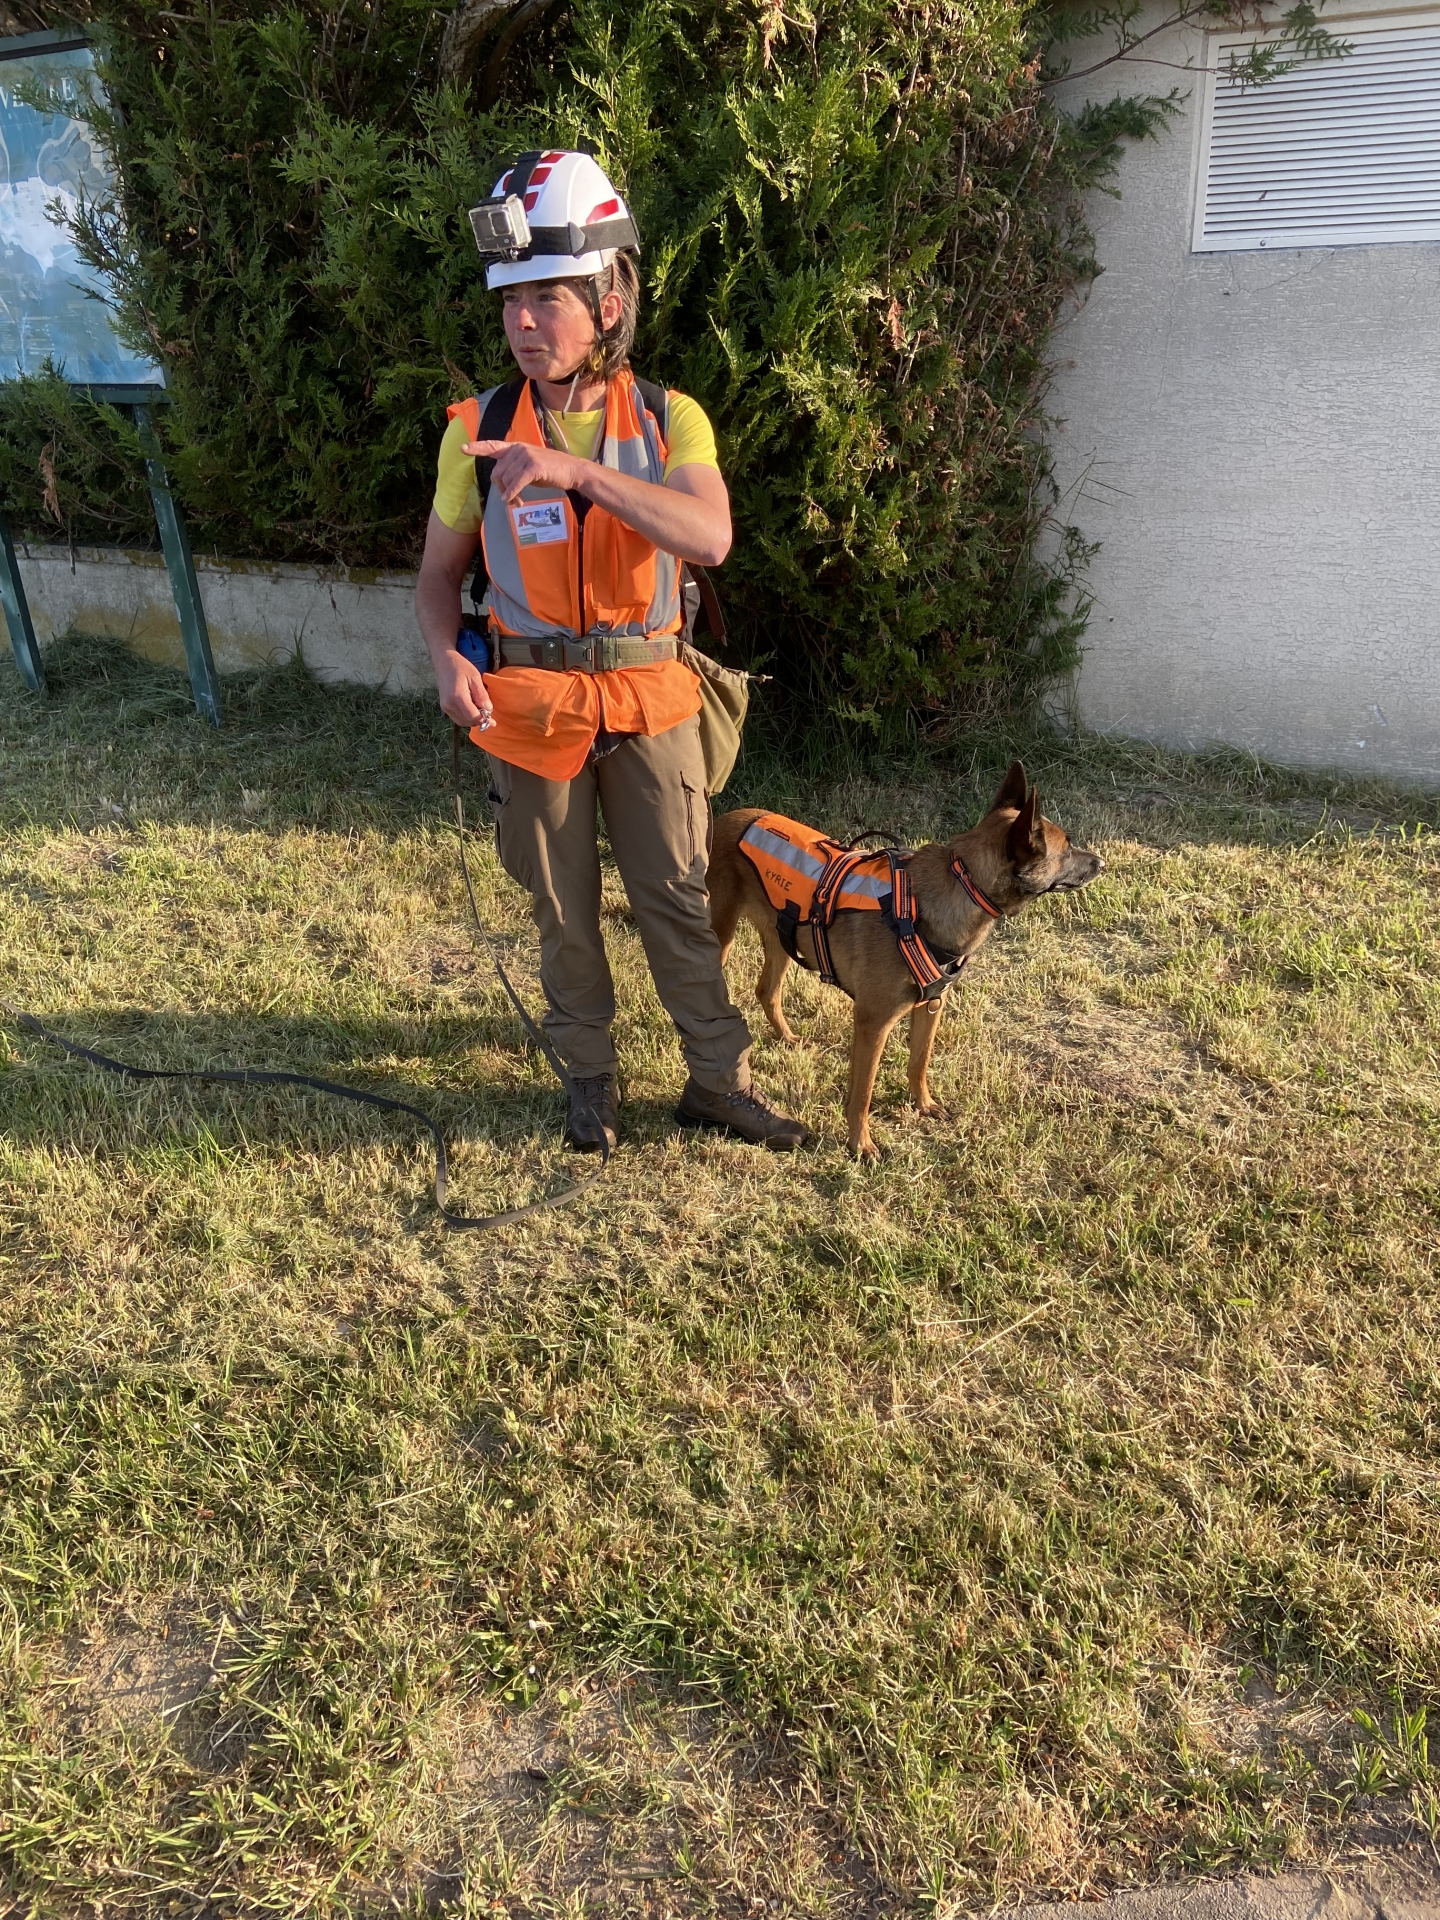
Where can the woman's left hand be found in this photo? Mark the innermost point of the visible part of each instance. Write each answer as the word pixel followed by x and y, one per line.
pixel 518 466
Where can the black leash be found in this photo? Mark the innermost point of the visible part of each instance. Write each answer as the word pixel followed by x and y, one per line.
pixel 258 1077
pixel 889 842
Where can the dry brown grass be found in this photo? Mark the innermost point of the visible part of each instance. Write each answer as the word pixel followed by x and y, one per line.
pixel 1035 1512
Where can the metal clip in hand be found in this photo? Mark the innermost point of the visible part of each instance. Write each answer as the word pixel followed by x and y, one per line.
pixel 475 646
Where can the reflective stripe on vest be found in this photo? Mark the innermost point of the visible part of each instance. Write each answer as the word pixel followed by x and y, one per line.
pixel 535 551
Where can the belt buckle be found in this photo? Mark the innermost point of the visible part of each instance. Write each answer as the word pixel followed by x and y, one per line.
pixel 598 652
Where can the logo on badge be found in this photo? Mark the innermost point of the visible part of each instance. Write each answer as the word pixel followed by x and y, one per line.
pixel 539 524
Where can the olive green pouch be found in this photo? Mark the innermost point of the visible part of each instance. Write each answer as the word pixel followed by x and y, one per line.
pixel 724 701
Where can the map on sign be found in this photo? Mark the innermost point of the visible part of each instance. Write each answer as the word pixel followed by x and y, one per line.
pixel 49 161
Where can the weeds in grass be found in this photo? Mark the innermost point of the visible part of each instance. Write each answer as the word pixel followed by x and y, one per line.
pixel 1035 1512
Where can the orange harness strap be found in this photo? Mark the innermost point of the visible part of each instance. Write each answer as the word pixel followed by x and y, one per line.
pixel 931 975
pixel 838 869
pixel 931 968
pixel 809 878
pixel 961 873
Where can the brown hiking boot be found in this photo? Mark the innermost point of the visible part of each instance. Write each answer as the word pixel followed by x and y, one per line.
pixel 594 1119
pixel 747 1113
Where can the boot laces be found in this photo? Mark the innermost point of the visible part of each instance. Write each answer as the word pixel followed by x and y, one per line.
pixel 751 1097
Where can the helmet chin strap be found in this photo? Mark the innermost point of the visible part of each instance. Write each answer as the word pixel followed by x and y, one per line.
pixel 592 287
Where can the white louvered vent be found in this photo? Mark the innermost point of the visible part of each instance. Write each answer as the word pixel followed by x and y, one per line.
pixel 1335 153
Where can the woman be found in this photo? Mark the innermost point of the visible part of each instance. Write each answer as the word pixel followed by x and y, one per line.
pixel 597 490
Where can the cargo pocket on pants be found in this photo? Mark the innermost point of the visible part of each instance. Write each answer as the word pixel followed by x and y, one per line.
pixel 502 813
pixel 697 824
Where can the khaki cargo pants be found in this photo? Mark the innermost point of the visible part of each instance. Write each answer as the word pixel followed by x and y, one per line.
pixel 652 794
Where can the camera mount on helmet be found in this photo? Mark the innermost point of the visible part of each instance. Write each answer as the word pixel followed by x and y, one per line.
pixel 501 229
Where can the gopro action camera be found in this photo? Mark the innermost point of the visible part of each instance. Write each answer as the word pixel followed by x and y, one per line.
pixel 502 232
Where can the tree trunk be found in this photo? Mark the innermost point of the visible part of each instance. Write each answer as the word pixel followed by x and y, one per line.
pixel 464 30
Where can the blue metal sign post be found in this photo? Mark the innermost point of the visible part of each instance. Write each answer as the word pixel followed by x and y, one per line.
pixel 17 615
pixel 180 565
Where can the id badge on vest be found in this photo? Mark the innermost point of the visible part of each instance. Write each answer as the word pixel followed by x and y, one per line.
pixel 539 523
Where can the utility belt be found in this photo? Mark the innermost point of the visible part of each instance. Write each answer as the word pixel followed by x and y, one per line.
pixel 724 693
pixel 597 653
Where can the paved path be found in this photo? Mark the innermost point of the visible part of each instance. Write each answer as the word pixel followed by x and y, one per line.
pixel 1399 1884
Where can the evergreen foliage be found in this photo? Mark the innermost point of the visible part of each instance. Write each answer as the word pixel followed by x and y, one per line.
pixel 859 218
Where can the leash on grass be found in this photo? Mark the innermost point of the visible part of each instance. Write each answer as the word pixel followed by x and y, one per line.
pixel 258 1077
pixel 264 1077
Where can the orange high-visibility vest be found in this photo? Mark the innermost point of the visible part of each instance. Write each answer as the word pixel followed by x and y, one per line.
pixel 809 878
pixel 555 573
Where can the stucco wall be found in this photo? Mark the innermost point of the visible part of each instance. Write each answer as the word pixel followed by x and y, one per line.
pixel 1254 438
pixel 347 623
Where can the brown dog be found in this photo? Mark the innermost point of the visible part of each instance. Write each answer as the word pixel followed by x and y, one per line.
pixel 1012 857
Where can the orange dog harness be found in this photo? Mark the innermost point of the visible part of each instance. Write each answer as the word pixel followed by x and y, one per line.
pixel 810 878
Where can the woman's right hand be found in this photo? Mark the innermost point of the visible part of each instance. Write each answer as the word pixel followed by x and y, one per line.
pixel 463 697
pixel 448 557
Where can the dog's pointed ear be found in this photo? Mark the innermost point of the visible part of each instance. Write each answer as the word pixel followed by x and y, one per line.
pixel 1027 834
pixel 1012 789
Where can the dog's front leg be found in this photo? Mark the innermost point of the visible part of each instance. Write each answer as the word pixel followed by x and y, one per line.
pixel 771 985
pixel 924 1025
pixel 866 1047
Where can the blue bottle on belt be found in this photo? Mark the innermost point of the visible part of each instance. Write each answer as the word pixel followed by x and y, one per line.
pixel 473 643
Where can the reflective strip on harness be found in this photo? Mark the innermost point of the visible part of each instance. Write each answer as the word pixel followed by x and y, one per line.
pixel 804 864
pixel 809 878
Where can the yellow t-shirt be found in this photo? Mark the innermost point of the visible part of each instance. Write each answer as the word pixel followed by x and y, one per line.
pixel 457 502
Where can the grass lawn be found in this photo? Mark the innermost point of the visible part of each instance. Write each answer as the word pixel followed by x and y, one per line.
pixel 1054 1506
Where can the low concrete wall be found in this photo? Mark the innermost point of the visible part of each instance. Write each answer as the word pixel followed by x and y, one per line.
pixel 347 624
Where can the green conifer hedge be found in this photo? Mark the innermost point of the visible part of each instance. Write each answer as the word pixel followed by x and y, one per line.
pixel 859 220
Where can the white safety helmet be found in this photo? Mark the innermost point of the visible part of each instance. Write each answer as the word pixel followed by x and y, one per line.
pixel 552 216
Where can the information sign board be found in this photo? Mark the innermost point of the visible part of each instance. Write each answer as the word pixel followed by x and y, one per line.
pixel 54 315
pixel 52 305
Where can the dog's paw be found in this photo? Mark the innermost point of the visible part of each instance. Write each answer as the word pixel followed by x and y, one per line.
pixel 866 1152
pixel 932 1110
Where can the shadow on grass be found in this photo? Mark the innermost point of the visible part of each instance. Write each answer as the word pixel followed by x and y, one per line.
pixel 119 733
pixel 53 1102
pixel 115 731
pixel 50 1098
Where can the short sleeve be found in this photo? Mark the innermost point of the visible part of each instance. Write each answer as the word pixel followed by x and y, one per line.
pixel 457 501
pixel 692 438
